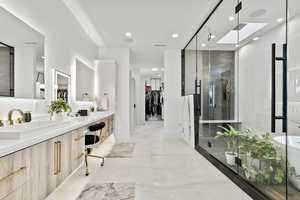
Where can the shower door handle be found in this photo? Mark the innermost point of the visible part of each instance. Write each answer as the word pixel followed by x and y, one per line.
pixel 283 117
pixel 198 94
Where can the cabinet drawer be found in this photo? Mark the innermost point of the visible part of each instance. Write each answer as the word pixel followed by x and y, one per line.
pixel 14 172
pixel 78 140
pixel 21 193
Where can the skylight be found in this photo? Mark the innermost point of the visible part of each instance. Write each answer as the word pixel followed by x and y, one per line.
pixel 245 30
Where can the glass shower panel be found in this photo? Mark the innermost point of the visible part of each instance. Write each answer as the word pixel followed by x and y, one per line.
pixel 293 139
pixel 261 42
pixel 190 67
pixel 217 64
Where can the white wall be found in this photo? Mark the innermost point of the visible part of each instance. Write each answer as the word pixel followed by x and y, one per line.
pixel 122 58
pixel 139 97
pixel 255 79
pixel 65 40
pixel 172 77
pixel 106 82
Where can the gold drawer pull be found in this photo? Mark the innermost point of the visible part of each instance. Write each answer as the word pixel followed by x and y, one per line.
pixel 59 156
pixel 79 138
pixel 10 176
pixel 56 158
pixel 80 156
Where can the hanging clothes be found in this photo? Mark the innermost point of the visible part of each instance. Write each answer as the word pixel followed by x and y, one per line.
pixel 153 104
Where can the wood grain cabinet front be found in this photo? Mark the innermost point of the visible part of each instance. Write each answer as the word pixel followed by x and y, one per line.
pixel 35 172
pixel 13 173
pixel 77 149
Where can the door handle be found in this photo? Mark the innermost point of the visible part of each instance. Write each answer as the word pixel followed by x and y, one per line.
pixel 283 117
pixel 198 96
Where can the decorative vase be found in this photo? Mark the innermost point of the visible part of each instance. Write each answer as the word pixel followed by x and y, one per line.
pixel 57 116
pixel 230 158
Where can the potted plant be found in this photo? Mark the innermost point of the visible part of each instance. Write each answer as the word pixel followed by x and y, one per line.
pixel 56 108
pixel 230 136
pixel 264 164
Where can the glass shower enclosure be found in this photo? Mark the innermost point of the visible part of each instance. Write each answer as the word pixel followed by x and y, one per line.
pixel 243 65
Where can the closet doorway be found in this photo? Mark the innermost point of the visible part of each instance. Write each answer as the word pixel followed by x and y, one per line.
pixel 154 99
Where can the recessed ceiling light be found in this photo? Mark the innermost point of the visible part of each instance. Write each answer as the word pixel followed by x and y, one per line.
pixel 128 34
pixel 160 45
pixel 212 36
pixel 231 18
pixel 203 45
pixel 175 35
pixel 154 69
pixel 256 38
pixel 280 20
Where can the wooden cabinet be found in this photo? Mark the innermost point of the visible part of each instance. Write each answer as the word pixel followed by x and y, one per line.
pixel 33 173
pixel 13 173
pixel 77 152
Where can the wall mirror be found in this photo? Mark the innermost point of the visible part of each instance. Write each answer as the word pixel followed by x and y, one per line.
pixel 62 85
pixel 22 65
pixel 85 82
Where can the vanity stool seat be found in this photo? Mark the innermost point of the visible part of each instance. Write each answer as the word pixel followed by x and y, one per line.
pixel 92 140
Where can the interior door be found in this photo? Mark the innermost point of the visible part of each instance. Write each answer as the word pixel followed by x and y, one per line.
pixel 293 88
pixel 262 58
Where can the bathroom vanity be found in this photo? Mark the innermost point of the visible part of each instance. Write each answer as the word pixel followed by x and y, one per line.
pixel 37 162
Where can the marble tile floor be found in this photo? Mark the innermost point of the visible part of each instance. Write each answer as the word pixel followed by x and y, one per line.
pixel 163 167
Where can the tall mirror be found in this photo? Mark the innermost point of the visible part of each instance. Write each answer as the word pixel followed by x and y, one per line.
pixel 62 85
pixel 85 82
pixel 21 59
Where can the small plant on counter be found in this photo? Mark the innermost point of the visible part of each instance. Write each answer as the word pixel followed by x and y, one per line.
pixel 58 106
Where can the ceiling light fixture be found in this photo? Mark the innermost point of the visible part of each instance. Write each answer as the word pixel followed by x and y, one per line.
pixel 231 18
pixel 212 36
pixel 128 34
pixel 154 69
pixel 255 39
pixel 203 45
pixel 279 20
pixel 175 35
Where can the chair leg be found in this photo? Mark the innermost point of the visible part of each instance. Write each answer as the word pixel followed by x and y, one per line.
pixel 94 156
pixel 102 164
pixel 86 162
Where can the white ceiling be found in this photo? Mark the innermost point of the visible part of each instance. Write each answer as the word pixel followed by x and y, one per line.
pixel 149 21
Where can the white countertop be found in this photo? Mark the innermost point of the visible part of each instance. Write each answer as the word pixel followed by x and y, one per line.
pixel 38 136
pixel 219 121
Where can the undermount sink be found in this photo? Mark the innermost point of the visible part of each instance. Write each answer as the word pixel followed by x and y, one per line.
pixel 19 130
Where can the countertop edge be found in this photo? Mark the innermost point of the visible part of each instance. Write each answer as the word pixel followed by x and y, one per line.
pixel 31 141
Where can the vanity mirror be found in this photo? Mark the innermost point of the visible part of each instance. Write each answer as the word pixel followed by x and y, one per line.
pixel 85 82
pixel 21 59
pixel 62 85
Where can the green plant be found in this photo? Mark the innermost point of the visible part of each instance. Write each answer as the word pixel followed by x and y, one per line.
pixel 264 162
pixel 229 135
pixel 58 106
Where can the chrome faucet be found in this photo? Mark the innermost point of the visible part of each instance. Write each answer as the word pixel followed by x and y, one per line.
pixel 10 113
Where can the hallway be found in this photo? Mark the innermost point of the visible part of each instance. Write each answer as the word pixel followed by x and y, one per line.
pixel 162 167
